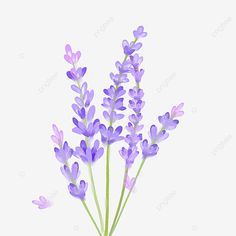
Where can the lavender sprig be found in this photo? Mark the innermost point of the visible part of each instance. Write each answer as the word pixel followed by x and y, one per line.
pixel 136 104
pixel 114 104
pixel 63 153
pixel 86 126
pixel 89 150
pixel 168 122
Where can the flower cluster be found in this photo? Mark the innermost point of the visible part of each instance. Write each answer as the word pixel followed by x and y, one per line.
pixel 85 124
pixel 91 147
pixel 63 153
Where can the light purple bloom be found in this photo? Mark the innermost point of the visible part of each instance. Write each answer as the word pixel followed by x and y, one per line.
pixel 89 131
pixel 139 33
pixel 136 93
pixel 123 67
pixel 129 48
pixel 114 93
pixel 76 74
pixel 176 111
pixel 129 155
pixel 135 118
pixel 57 138
pixel 64 153
pixel 157 137
pixel 73 174
pixel 71 57
pixel 148 150
pixel 42 203
pixel 136 105
pixel 109 135
pixel 78 191
pixel 90 149
pixel 138 75
pixel 168 122
pixel 87 154
pixel 129 183
pixel 119 78
pixel 135 60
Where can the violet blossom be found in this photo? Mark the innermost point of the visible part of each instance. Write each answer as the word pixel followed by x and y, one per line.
pixel 94 136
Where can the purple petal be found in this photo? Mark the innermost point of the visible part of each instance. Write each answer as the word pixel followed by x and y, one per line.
pixel 91 113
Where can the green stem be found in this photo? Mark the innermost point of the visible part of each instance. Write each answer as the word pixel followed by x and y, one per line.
pixel 128 196
pixel 108 162
pixel 107 189
pixel 95 196
pixel 84 204
pixel 91 217
pixel 120 201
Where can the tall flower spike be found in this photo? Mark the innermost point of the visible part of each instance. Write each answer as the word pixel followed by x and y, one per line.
pixel 135 104
pixel 86 125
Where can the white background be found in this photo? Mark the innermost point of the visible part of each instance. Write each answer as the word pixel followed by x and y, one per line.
pixel 189 56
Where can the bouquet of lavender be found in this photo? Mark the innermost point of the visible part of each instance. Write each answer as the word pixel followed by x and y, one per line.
pixel 92 147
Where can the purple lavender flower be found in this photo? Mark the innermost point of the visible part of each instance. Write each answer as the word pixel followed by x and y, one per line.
pixel 176 111
pixel 109 135
pixel 157 137
pixel 138 75
pixel 139 33
pixel 129 183
pixel 78 191
pixel 123 67
pixel 129 48
pixel 86 124
pixel 119 79
pixel 129 155
pixel 72 174
pixel 168 122
pixel 76 75
pixel 71 57
pixel 64 153
pixel 89 131
pixel 135 61
pixel 148 150
pixel 114 93
pixel 57 138
pixel 42 203
pixel 87 154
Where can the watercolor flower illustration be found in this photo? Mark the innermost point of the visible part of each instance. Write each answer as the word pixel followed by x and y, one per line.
pixel 97 137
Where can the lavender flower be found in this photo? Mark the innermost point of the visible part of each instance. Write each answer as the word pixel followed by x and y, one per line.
pixel 168 123
pixel 129 183
pixel 42 203
pixel 129 48
pixel 71 57
pixel 87 154
pixel 148 150
pixel 57 138
pixel 76 74
pixel 72 174
pixel 129 155
pixel 157 137
pixel 64 153
pixel 139 33
pixel 78 191
pixel 109 135
pixel 90 149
